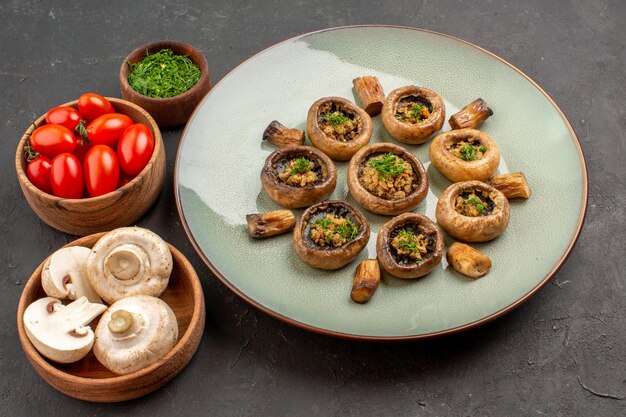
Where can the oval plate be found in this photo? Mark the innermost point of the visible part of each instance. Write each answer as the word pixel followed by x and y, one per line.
pixel 221 154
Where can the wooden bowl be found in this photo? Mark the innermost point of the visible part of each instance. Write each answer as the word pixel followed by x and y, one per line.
pixel 122 207
pixel 87 379
pixel 172 111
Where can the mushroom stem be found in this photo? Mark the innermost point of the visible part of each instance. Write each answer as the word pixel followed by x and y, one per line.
pixel 121 320
pixel 124 263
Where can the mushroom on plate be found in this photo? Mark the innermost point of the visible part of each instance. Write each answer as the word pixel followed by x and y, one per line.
pixel 409 245
pixel 464 155
pixel 64 275
pixel 129 261
pixel 298 176
pixel 338 127
pixel 387 179
pixel 473 211
pixel 135 332
pixel 330 234
pixel 61 333
pixel 413 114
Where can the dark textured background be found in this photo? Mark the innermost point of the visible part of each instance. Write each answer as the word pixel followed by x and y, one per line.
pixel 543 359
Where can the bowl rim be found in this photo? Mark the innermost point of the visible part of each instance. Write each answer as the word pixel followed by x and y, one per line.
pixel 19 155
pixel 197 88
pixel 32 354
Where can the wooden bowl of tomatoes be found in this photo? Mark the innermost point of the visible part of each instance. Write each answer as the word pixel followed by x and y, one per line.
pixel 103 173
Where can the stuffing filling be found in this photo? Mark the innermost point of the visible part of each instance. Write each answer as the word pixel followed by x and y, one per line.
pixel 388 176
pixel 413 109
pixel 333 231
pixel 469 149
pixel 338 123
pixel 474 203
pixel 299 172
pixel 410 244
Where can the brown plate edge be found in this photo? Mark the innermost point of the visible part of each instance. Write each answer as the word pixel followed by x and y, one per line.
pixel 484 320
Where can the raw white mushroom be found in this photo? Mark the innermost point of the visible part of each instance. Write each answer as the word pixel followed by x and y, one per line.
pixel 61 333
pixel 129 261
pixel 135 332
pixel 64 275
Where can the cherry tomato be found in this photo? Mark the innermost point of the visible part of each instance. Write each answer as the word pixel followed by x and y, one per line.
pixel 38 172
pixel 51 140
pixel 102 171
pixel 66 176
pixel 82 148
pixel 107 129
pixel 92 105
pixel 124 179
pixel 64 116
pixel 134 149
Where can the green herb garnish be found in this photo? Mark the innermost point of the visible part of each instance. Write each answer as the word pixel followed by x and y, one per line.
pixel 416 111
pixel 468 152
pixel 407 241
pixel 483 149
pixel 480 208
pixel 163 74
pixel 336 118
pixel 348 230
pixel 300 166
pixel 472 200
pixel 323 222
pixel 387 165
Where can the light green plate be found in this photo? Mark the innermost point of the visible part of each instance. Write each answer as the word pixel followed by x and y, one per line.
pixel 221 155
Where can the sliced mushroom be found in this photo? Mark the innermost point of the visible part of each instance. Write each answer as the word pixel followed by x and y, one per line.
pixel 370 93
pixel 298 176
pixel 472 115
pixel 413 114
pixel 387 179
pixel 61 333
pixel 134 333
pixel 473 211
pixel 282 136
pixel 409 246
pixel 64 275
pixel 330 235
pixel 464 155
pixel 129 261
pixel 338 127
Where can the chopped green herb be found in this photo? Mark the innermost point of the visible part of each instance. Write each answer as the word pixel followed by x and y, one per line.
pixel 348 231
pixel 483 149
pixel 336 118
pixel 300 166
pixel 480 208
pixel 416 111
pixel 163 74
pixel 387 165
pixel 468 152
pixel 408 241
pixel 472 200
pixel 323 222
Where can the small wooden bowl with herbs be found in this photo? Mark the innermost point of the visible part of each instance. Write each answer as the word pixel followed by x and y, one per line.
pixel 167 78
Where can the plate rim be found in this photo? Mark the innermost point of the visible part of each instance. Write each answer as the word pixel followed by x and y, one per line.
pixel 351 336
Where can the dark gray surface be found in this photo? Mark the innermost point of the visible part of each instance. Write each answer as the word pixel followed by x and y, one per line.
pixel 546 358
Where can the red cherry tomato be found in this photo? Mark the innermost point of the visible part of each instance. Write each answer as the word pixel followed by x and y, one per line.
pixel 92 105
pixel 124 179
pixel 102 171
pixel 51 140
pixel 38 172
pixel 135 148
pixel 66 176
pixel 82 148
pixel 107 129
pixel 65 116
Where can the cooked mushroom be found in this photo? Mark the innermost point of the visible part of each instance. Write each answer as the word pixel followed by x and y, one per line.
pixel 387 179
pixel 298 176
pixel 473 211
pixel 338 128
pixel 129 261
pixel 271 223
pixel 134 333
pixel 370 93
pixel 468 261
pixel 413 114
pixel 512 185
pixel 464 155
pixel 61 333
pixel 282 136
pixel 472 115
pixel 64 275
pixel 409 245
pixel 330 234
pixel 366 279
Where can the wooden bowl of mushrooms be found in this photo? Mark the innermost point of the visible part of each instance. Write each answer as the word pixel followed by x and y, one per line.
pixel 122 338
